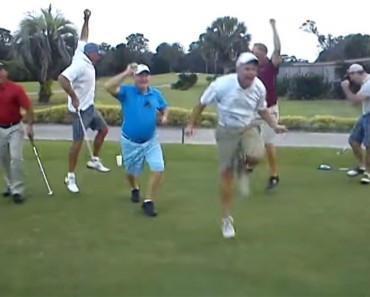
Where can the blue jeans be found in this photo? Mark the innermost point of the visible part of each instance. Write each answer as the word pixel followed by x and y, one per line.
pixel 361 131
pixel 135 154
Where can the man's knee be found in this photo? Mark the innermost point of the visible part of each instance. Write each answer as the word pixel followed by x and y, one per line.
pixel 103 131
pixel 76 146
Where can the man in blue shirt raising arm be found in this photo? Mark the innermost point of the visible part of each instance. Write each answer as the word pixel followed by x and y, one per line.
pixel 139 142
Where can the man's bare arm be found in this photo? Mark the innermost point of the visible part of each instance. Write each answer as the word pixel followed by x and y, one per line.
pixel 85 26
pixel 67 87
pixel 276 55
pixel 113 84
pixel 197 112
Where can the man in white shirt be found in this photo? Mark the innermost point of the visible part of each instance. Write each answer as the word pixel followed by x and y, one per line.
pixel 239 141
pixel 361 131
pixel 78 81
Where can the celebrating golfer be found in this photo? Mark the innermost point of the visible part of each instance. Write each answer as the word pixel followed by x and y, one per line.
pixel 139 142
pixel 240 146
pixel 361 131
pixel 78 81
pixel 268 70
pixel 13 98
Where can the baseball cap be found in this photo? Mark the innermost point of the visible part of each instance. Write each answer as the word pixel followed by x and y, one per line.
pixel 142 68
pixel 245 58
pixel 355 68
pixel 93 48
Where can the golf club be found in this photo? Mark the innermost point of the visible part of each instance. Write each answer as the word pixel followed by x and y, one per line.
pixel 85 135
pixel 342 151
pixel 36 153
pixel 329 167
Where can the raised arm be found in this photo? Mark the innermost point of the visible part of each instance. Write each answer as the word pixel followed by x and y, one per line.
pixel 85 26
pixel 112 86
pixel 276 55
pixel 360 96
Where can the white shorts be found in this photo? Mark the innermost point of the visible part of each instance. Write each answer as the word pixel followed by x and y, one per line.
pixel 268 134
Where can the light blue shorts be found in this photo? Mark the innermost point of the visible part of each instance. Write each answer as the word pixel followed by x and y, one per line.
pixel 135 154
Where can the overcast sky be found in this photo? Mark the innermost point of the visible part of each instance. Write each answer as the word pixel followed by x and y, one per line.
pixel 183 21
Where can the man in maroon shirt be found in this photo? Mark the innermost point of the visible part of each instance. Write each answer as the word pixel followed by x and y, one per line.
pixel 12 99
pixel 267 71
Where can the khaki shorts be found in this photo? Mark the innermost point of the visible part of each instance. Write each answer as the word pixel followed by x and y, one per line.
pixel 235 143
pixel 268 134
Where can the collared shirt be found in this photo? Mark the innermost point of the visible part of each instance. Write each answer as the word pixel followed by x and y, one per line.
pixel 81 74
pixel 236 107
pixel 267 73
pixel 139 111
pixel 12 99
pixel 365 90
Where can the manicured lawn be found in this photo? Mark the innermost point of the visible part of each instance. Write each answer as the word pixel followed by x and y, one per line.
pixel 309 238
pixel 187 99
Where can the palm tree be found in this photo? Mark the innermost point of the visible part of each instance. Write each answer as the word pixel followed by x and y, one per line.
pixel 227 37
pixel 45 44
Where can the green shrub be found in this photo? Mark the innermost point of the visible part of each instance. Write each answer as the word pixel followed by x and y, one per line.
pixel 185 81
pixel 178 117
pixel 17 71
pixel 306 87
pixel 282 86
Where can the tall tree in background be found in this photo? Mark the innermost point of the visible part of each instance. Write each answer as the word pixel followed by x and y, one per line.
pixel 45 42
pixel 171 53
pixel 227 38
pixel 337 48
pixel 5 43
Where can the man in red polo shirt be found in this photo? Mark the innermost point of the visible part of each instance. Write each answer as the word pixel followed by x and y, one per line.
pixel 12 99
pixel 267 71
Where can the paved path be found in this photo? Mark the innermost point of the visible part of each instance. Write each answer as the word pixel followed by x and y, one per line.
pixel 61 91
pixel 203 136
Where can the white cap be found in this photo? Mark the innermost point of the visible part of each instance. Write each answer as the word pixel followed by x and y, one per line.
pixel 246 58
pixel 142 68
pixel 355 68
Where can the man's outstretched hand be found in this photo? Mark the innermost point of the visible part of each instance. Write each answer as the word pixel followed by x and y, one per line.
pixel 87 14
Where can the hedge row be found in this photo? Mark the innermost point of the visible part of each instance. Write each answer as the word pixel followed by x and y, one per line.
pixel 178 118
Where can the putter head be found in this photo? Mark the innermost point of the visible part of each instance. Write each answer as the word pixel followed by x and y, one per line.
pixel 324 167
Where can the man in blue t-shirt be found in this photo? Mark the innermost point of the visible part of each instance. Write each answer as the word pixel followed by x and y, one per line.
pixel 139 143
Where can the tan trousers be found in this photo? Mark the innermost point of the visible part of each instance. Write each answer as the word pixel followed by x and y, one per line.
pixel 11 156
pixel 235 143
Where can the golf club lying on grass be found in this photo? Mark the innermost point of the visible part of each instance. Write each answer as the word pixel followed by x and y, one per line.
pixel 329 167
pixel 36 153
pixel 85 135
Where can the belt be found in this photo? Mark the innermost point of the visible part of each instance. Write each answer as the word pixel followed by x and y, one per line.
pixel 128 138
pixel 7 126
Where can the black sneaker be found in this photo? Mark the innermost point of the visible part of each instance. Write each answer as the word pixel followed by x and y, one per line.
pixel 135 195
pixel 272 182
pixel 18 199
pixel 7 192
pixel 148 208
pixel 356 171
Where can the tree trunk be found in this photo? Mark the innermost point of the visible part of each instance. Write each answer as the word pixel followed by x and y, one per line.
pixel 45 91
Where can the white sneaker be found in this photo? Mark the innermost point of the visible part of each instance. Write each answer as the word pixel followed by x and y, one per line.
pixel 97 165
pixel 355 171
pixel 70 181
pixel 228 230
pixel 365 178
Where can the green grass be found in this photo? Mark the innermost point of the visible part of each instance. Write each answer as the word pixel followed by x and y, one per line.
pixel 309 238
pixel 187 99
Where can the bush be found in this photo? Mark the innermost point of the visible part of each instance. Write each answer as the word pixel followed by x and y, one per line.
pixel 178 117
pixel 282 86
pixel 310 86
pixel 185 82
pixel 17 71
